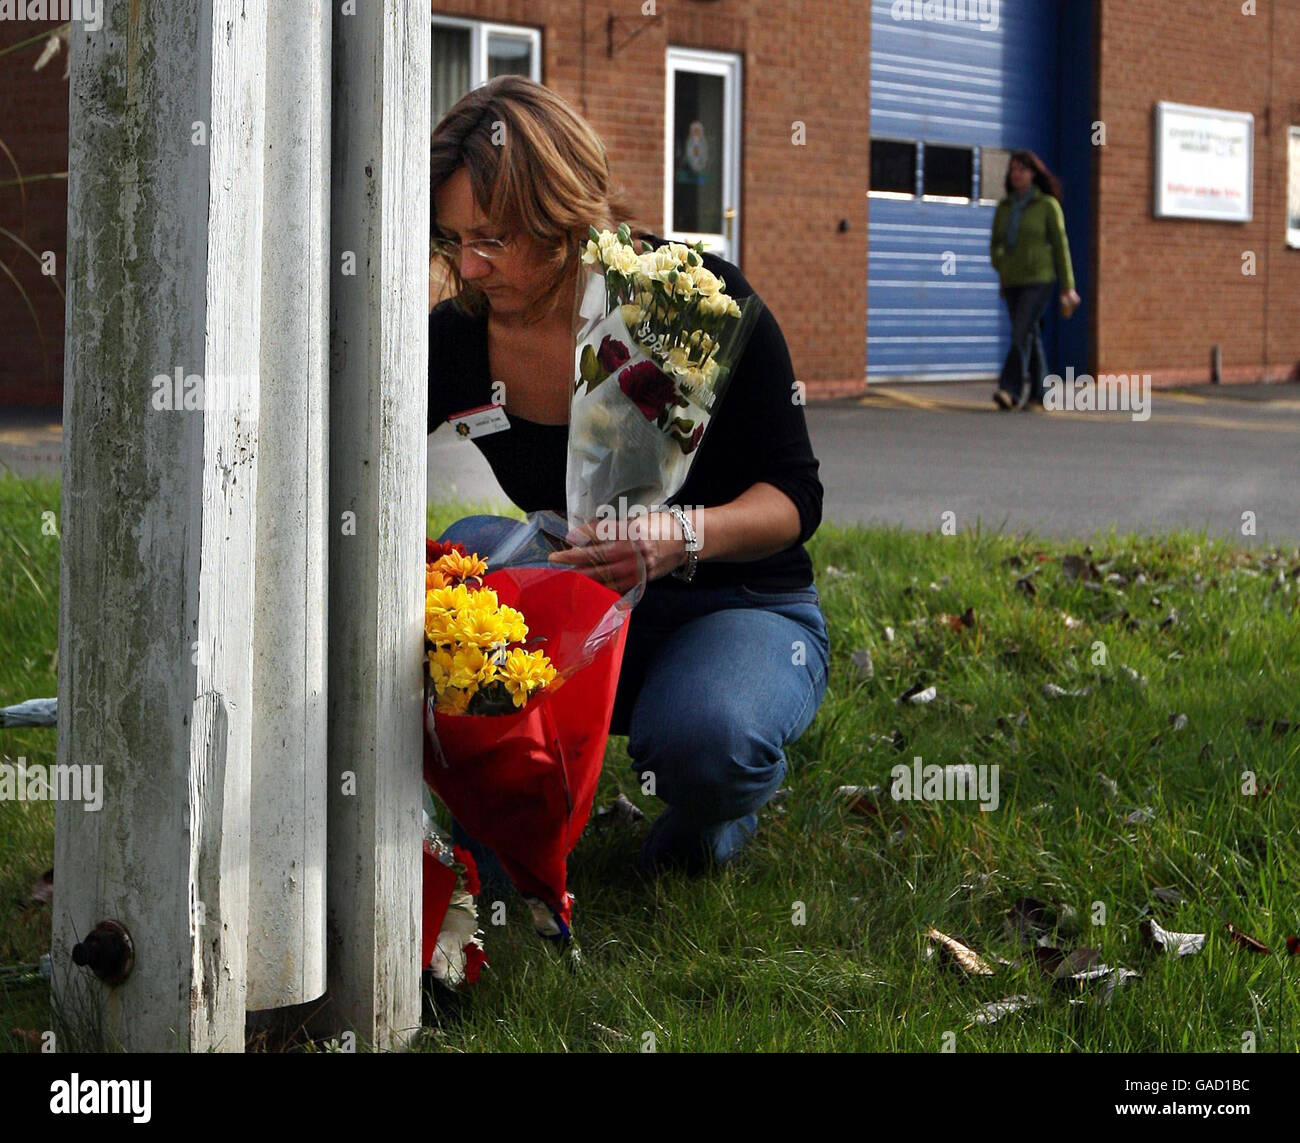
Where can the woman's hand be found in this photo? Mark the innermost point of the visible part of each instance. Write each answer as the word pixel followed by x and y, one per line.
pixel 1070 301
pixel 651 544
pixel 760 522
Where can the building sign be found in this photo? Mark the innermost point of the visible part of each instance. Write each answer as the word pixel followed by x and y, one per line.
pixel 1293 187
pixel 1204 163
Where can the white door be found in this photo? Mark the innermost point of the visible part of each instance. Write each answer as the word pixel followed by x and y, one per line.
pixel 702 150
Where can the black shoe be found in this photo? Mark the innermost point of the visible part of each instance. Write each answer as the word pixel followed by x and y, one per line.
pixel 1002 399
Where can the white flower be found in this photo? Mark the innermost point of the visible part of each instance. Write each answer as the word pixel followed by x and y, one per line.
pixel 656 263
pixel 707 282
pixel 459 929
pixel 677 361
pixel 702 340
pixel 624 260
pixel 714 305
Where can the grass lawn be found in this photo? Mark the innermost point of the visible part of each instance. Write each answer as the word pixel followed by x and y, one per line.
pixel 1130 792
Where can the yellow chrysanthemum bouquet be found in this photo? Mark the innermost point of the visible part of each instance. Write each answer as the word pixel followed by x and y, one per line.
pixel 473 642
pixel 663 326
pixel 514 736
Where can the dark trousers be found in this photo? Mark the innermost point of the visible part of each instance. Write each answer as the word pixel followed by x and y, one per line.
pixel 1026 363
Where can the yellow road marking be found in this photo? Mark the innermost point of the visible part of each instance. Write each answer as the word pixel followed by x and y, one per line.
pixel 1197 399
pixel 914 401
pixel 44 435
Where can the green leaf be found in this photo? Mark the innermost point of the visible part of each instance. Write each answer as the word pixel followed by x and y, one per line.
pixel 589 367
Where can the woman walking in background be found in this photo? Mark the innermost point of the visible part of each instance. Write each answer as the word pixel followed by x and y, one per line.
pixel 1030 251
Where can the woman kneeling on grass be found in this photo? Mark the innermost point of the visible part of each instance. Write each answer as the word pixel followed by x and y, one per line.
pixel 725 663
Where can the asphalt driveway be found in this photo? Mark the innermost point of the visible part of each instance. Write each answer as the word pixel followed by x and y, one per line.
pixel 905 455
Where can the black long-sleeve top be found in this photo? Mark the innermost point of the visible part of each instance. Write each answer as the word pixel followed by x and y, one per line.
pixel 758 433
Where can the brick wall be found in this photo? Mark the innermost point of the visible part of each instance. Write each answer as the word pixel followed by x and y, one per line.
pixel 1169 289
pixel 802 61
pixel 34 127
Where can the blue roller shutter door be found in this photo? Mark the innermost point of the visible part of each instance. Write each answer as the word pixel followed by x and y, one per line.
pixel 932 301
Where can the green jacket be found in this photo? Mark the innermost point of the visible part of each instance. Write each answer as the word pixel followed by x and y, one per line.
pixel 1042 251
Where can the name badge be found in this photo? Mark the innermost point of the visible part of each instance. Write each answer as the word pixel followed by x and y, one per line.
pixel 479 422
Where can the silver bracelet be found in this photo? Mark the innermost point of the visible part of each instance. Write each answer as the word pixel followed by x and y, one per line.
pixel 686 572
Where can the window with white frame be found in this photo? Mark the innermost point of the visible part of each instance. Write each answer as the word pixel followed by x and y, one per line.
pixel 467 53
pixel 1293 188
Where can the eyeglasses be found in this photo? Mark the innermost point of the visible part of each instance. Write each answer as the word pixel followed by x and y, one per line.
pixel 488 248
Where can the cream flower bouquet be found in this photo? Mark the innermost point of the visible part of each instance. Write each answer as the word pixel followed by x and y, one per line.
pixel 658 337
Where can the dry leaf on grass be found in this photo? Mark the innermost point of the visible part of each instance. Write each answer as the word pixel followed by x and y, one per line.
pixel 994 1010
pixel 950 950
pixel 1052 691
pixel 917 695
pixel 1028 919
pixel 1246 941
pixel 963 622
pixel 1080 967
pixel 1176 944
pixel 620 809
pixel 1077 568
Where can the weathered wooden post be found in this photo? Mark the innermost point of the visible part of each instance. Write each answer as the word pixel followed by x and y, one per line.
pixel 378 442
pixel 286 945
pixel 160 477
pixel 198 516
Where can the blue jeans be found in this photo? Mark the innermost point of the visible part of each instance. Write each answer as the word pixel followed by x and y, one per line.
pixel 1026 362
pixel 715 683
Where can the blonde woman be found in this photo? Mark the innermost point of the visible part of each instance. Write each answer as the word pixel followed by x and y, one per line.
pixel 727 651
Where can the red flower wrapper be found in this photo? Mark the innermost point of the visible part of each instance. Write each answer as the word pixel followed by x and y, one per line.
pixel 439 883
pixel 523 783
pixel 451 941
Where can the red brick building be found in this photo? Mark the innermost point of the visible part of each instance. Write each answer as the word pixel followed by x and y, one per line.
pixel 1170 289
pixel 34 131
pixel 847 156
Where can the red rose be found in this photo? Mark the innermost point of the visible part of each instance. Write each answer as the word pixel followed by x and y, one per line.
pixel 646 384
pixel 612 355
pixel 475 959
pixel 436 549
pixel 465 858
